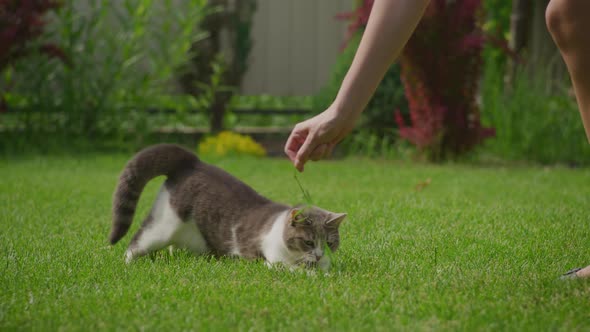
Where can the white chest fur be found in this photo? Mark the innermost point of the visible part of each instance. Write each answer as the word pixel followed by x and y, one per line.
pixel 274 248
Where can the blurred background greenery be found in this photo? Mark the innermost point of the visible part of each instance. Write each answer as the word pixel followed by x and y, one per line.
pixel 117 75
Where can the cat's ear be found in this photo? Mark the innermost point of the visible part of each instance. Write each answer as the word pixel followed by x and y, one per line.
pixel 335 219
pixel 296 218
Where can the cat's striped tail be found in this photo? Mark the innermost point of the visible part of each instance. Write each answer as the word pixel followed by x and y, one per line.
pixel 162 159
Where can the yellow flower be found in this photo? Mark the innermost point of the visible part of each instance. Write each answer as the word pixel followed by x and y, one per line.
pixel 229 143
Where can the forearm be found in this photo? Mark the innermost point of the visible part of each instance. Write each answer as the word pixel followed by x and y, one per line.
pixel 389 27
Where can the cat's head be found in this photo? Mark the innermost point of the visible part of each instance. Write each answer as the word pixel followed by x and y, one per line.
pixel 310 231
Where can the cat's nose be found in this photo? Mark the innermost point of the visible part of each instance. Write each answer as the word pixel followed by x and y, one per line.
pixel 317 258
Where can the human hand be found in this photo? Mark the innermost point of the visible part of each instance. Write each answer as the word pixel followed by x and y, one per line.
pixel 315 138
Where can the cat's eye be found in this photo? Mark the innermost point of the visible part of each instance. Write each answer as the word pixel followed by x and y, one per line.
pixel 309 243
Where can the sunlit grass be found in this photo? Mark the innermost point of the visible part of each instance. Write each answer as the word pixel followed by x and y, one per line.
pixel 473 248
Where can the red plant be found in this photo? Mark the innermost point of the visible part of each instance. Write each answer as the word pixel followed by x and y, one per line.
pixel 441 65
pixel 21 22
pixel 359 18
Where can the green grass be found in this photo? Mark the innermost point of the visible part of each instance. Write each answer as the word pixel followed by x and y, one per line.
pixel 479 248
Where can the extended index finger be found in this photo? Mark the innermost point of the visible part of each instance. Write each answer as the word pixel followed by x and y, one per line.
pixel 306 149
pixel 294 143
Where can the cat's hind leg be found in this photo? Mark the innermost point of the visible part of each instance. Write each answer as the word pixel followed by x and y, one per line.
pixel 157 230
pixel 189 237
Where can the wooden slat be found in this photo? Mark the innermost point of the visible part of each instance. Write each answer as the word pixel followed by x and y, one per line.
pixel 303 36
pixel 239 111
pixel 240 130
pixel 255 78
pixel 278 53
pixel 287 111
pixel 243 111
pixel 296 43
pixel 329 39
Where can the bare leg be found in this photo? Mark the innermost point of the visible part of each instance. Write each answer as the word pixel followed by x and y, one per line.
pixel 568 23
pixel 584 273
pixel 149 238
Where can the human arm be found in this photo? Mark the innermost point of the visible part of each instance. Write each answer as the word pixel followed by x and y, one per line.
pixel 390 25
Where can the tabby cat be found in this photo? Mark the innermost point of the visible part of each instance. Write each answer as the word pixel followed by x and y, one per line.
pixel 206 210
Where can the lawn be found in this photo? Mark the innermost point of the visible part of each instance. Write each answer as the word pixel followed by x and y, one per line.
pixel 478 248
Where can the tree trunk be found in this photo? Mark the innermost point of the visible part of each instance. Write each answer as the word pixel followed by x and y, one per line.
pixel 519 24
pixel 544 56
pixel 218 111
pixel 531 39
pixel 520 19
pixel 229 33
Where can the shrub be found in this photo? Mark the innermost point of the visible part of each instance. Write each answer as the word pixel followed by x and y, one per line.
pixel 21 23
pixel 533 121
pixel 441 66
pixel 228 30
pixel 324 98
pixel 228 143
pixel 124 55
pixel 358 19
pixel 497 26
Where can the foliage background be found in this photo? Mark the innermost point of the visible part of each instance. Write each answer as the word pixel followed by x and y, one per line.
pixel 124 56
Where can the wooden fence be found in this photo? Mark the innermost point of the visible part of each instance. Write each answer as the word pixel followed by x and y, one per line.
pixel 296 43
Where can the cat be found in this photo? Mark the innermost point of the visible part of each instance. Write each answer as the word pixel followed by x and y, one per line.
pixel 206 210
